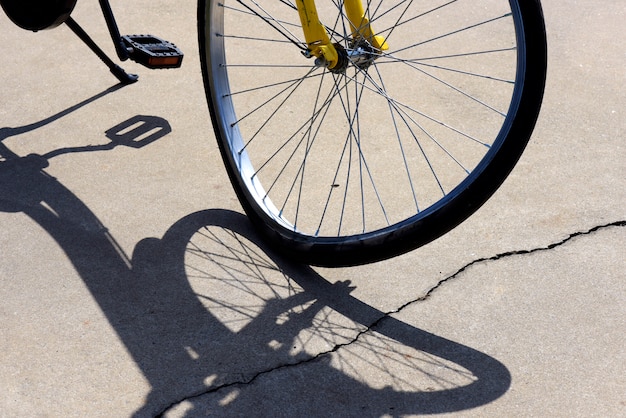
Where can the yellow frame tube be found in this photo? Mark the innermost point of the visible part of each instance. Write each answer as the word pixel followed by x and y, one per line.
pixel 317 38
pixel 315 34
pixel 361 27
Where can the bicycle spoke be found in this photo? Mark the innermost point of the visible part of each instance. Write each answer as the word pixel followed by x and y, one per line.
pixel 250 13
pixel 447 34
pixel 408 120
pixel 309 122
pixel 317 113
pixel 363 161
pixel 290 82
pixel 251 38
pixel 291 88
pixel 454 70
pixel 407 107
pixel 392 106
pixel 457 89
pixel 311 135
pixel 464 54
pixel 275 24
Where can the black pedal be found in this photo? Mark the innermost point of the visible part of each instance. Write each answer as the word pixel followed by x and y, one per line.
pixel 153 52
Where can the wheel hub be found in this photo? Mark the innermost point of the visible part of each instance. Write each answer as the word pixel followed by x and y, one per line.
pixel 360 53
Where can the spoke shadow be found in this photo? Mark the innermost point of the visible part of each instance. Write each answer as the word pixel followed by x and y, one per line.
pixel 208 308
pixel 266 314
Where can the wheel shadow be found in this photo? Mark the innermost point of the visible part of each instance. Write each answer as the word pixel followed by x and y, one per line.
pixel 219 323
pixel 307 346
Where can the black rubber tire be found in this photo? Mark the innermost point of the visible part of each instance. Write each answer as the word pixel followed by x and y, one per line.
pixel 434 221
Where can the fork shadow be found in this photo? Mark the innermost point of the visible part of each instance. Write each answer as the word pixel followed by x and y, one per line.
pixel 219 324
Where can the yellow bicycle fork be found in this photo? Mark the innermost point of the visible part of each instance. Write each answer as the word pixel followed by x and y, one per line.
pixel 317 38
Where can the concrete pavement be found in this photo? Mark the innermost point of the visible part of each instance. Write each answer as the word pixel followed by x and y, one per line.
pixel 132 285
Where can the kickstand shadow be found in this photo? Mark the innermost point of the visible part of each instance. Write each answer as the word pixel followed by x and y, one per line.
pixel 7 131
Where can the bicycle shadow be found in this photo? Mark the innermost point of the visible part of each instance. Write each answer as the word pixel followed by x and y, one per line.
pixel 208 308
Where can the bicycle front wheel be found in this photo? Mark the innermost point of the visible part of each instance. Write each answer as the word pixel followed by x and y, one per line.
pixel 391 150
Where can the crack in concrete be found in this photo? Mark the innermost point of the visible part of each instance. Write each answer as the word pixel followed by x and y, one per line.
pixel 386 315
pixel 506 255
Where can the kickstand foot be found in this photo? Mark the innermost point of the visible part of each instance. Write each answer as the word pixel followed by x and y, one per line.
pixel 123 76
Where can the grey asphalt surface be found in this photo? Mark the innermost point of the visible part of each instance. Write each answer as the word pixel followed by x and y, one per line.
pixel 132 285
